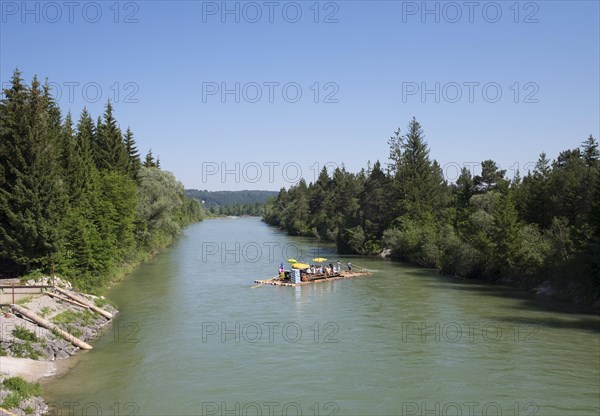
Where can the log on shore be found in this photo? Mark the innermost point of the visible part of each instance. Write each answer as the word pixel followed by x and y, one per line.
pixel 4 412
pixel 51 326
pixel 85 302
pixel 64 299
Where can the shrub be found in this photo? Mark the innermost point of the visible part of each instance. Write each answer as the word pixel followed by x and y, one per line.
pixel 11 401
pixel 20 390
pixel 23 333
pixel 22 387
pixel 45 311
pixel 25 350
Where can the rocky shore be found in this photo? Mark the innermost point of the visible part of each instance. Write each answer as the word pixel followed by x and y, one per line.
pixel 29 352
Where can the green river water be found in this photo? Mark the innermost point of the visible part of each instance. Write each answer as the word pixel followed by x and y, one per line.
pixel 194 337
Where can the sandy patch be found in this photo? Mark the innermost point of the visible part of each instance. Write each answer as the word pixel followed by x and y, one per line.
pixel 30 370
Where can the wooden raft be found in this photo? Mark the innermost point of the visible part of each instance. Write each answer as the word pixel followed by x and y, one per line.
pixel 344 275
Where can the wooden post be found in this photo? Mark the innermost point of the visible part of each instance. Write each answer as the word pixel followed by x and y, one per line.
pixel 51 326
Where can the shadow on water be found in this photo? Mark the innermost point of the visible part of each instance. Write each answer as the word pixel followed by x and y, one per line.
pixel 574 317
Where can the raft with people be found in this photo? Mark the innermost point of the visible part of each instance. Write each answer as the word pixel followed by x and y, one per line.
pixel 303 274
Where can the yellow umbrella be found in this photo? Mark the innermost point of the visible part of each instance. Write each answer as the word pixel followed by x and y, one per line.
pixel 292 261
pixel 319 259
pixel 300 266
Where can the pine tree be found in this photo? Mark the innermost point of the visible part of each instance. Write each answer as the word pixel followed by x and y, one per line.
pixel 13 161
pixel 570 188
pixel 32 191
pixel 84 139
pixel 534 202
pixel 375 203
pixel 396 143
pixel 591 154
pixel 465 188
pixel 419 184
pixel 149 161
pixel 319 202
pixel 110 152
pixel 134 162
pixel 296 214
pixel 69 158
pixel 505 237
pixel 492 177
pixel 542 166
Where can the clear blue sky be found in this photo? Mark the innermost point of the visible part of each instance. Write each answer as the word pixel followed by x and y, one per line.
pixel 172 59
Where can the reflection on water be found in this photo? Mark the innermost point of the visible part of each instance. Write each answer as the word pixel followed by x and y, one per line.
pixel 193 337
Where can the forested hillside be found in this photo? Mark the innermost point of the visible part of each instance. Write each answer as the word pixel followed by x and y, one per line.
pixel 232 202
pixel 75 196
pixel 544 227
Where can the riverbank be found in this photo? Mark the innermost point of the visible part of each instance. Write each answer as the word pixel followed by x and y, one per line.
pixel 569 298
pixel 34 349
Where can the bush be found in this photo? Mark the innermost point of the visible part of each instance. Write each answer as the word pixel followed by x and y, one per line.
pixel 532 253
pixel 11 401
pixel 45 311
pixel 459 257
pixel 102 302
pixel 22 387
pixel 86 317
pixel 414 241
pixel 23 333
pixel 34 275
pixel 20 390
pixel 25 350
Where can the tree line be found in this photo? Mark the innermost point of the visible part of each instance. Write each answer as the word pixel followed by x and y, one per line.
pixel 544 227
pixel 256 210
pixel 77 198
pixel 212 199
pixel 219 203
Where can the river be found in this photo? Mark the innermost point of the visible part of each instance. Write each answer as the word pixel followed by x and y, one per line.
pixel 195 337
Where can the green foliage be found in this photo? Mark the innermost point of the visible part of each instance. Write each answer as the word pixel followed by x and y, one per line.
pixel 23 333
pixel 72 197
pixel 543 227
pixel 492 177
pixel 33 275
pixel 20 390
pixel 108 148
pixel 414 241
pixel 102 302
pixel 149 161
pixel 45 311
pixel 24 300
pixel 256 209
pixel 85 318
pixel 160 200
pixel 223 199
pixel 11 401
pixel 22 387
pixel 133 157
pixel 25 350
pixel 31 194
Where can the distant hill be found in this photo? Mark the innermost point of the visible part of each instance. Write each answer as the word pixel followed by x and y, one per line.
pixel 213 199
